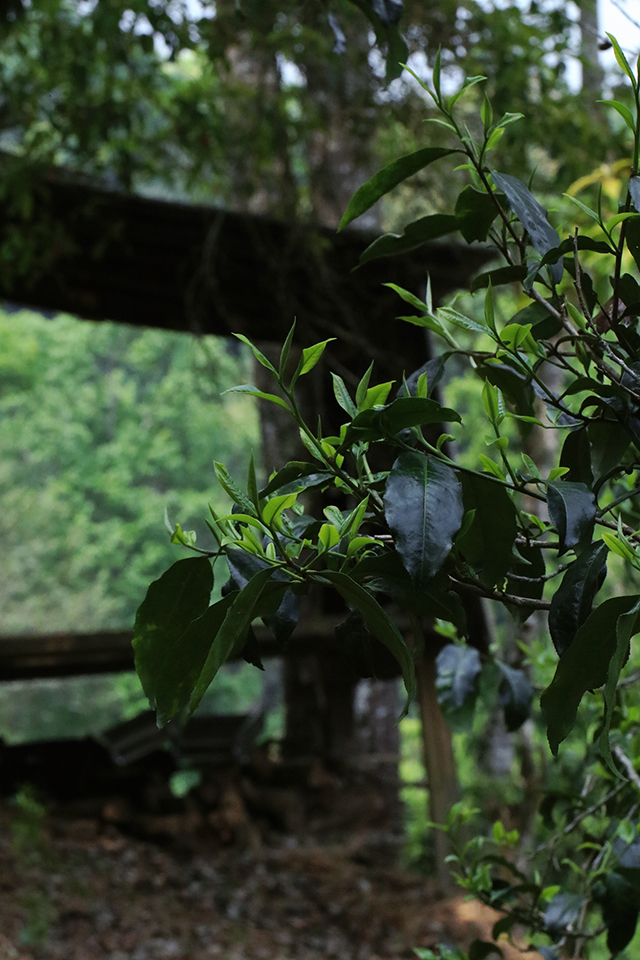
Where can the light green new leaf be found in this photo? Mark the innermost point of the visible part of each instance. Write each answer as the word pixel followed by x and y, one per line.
pixel 623 110
pixel 622 61
pixel 342 395
pixel 230 487
pixel 252 391
pixel 260 357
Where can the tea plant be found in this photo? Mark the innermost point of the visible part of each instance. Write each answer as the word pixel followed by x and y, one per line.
pixel 429 529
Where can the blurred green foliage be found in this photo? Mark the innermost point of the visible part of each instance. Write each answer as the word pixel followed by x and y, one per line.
pixel 102 427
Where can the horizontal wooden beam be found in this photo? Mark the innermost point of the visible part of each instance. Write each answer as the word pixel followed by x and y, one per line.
pixel 105 255
pixel 74 654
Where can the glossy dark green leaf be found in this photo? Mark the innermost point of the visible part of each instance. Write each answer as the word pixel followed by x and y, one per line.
pixel 378 622
pixel 543 323
pixel 232 632
pixel 499 276
pixel 572 601
pixel 434 370
pixel 488 543
pixel 372 425
pixel 415 234
pixel 632 237
pixel 388 178
pixel 583 667
pixel 305 478
pixel 250 651
pixel 178 673
pixel 629 863
pixel 634 190
pixel 566 249
pixel 608 443
pixel 513 382
pixel 178 597
pixel 383 573
pixel 475 212
pixel 532 216
pixel 561 913
pixel 503 925
pixel 576 455
pixel 424 509
pixel 384 17
pixel 515 695
pixel 283 618
pixel 628 624
pixel 628 289
pixel 481 949
pixel 572 509
pixel 458 668
pixel 287 474
pixel 620 905
pixel 437 598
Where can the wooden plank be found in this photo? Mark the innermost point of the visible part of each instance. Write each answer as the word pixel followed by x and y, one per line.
pixel 108 255
pixel 73 654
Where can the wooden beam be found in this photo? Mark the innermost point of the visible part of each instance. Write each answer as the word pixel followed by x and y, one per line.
pixel 74 654
pixel 104 255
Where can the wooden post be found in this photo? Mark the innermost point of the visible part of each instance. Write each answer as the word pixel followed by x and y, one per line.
pixel 438 760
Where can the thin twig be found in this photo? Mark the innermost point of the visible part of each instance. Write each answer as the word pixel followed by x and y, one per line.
pixel 628 766
pixel 526 602
pixel 593 808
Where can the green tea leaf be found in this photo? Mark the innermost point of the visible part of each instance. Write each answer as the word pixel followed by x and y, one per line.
pixel 378 622
pixel 415 235
pixel 572 508
pixel 230 487
pixel 178 597
pixel 627 625
pixel 475 212
pixel 233 629
pixel 310 357
pixel 532 216
pixel 571 603
pixel 622 109
pixel 388 178
pixel 260 357
pixel 252 391
pixel 424 510
pixel 488 543
pixel 516 696
pixel 342 395
pixel 584 666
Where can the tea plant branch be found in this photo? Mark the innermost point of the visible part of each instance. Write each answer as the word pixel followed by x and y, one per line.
pixel 506 598
pixel 621 499
pixel 543 578
pixel 630 770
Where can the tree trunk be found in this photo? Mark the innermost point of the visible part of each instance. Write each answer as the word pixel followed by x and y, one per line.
pixel 439 760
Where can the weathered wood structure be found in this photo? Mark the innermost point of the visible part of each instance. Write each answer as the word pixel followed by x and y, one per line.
pixel 103 255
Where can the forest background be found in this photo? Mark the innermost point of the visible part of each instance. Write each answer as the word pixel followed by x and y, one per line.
pixel 250 107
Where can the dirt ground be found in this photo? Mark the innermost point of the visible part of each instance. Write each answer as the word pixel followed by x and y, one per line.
pixel 80 890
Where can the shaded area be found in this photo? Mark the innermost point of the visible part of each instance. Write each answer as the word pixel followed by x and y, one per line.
pixel 108 255
pixel 75 891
